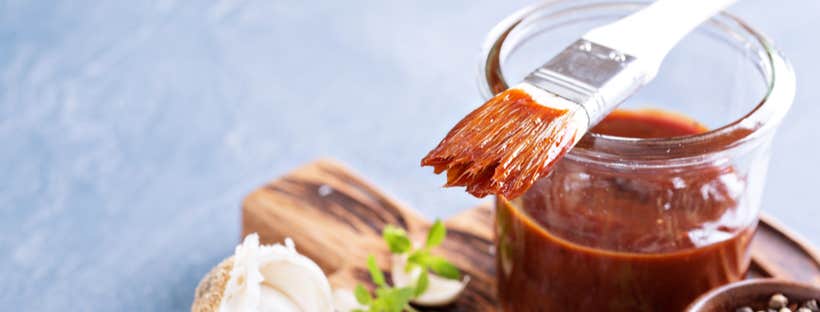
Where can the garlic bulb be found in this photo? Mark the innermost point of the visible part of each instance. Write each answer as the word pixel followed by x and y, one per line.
pixel 274 278
pixel 440 291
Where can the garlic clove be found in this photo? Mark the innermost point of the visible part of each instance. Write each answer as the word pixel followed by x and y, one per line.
pixel 273 300
pixel 297 277
pixel 275 278
pixel 440 291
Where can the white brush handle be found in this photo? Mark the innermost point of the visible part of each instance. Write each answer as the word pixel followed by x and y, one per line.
pixel 650 33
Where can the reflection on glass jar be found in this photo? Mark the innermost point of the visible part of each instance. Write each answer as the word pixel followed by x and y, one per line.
pixel 652 208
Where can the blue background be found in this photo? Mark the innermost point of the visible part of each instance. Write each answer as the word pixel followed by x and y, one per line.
pixel 131 130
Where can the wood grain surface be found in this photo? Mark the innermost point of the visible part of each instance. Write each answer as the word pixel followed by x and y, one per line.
pixel 335 218
pixel 779 252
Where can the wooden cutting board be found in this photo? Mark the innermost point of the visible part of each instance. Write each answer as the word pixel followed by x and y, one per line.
pixel 336 218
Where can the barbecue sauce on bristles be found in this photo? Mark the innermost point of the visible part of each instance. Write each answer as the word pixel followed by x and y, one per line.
pixel 506 144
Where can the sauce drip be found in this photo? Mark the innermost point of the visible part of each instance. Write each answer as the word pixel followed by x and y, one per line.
pixel 586 238
pixel 504 146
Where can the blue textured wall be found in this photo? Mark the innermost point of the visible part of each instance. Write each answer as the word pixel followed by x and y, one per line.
pixel 130 130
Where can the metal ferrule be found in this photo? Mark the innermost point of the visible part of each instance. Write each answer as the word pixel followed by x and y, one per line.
pixel 594 76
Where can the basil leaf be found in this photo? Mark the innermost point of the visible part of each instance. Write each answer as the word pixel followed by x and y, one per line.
pixel 362 295
pixel 417 257
pixel 403 296
pixel 375 273
pixel 443 268
pixel 396 239
pixel 422 283
pixel 436 235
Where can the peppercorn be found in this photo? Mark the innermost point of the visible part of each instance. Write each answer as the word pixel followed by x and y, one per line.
pixel 778 301
pixel 811 305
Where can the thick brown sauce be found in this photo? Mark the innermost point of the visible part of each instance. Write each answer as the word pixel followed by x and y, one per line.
pixel 593 239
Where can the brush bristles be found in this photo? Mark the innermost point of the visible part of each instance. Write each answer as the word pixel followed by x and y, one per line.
pixel 504 146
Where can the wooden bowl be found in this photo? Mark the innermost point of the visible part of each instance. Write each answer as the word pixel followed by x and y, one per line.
pixel 749 292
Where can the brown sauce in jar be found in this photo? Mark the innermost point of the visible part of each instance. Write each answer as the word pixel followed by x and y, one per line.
pixel 593 239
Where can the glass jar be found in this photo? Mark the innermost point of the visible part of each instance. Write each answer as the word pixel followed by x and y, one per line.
pixel 630 223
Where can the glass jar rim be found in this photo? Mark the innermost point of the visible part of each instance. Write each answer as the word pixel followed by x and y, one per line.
pixel 607 149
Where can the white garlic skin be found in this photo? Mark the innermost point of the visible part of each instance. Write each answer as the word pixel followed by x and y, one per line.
pixel 275 278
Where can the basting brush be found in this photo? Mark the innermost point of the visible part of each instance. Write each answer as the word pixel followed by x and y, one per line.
pixel 505 145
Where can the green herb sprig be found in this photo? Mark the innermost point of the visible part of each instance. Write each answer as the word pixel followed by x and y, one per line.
pixel 397 299
pixel 422 258
pixel 388 299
